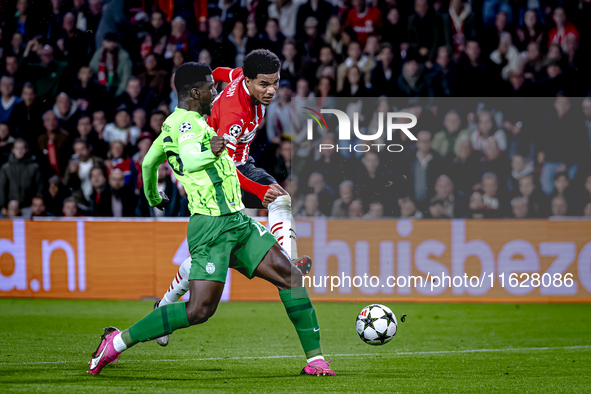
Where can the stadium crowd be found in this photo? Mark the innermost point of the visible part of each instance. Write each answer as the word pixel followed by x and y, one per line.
pixel 86 85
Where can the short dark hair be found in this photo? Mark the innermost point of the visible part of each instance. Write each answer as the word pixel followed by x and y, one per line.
pixel 260 61
pixel 190 75
pixel 21 141
pixel 81 141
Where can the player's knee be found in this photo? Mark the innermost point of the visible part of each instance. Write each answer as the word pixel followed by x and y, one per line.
pixel 199 314
pixel 290 276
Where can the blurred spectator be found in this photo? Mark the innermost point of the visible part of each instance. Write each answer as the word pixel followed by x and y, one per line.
pixel 157 119
pixel 560 151
pixel 25 119
pixel 9 100
pixel 319 9
pixel 48 75
pixel 354 85
pixel 536 200
pixel 112 65
pixel 411 82
pixel 519 208
pixel 311 207
pixel 87 134
pixel 562 29
pixel 475 76
pixel 279 113
pixel 425 31
pixel 325 193
pixel 13 210
pixel 118 160
pixel 355 58
pixel 89 94
pixel 364 21
pixel 165 185
pixel 370 179
pixel 20 178
pixel 74 44
pixel 137 97
pixel 459 25
pixel 423 167
pixel 436 209
pixel 79 167
pixel 11 70
pixel 38 208
pixel 444 141
pixel 64 109
pixel 355 209
pixel 311 42
pixel 273 39
pixel 506 56
pixel 159 30
pixel 494 161
pixel 54 196
pixel 376 211
pixel 520 167
pixel 23 21
pixel 294 66
pixel 53 145
pixel 330 164
pixel 476 206
pixel 285 11
pixel 531 31
pixel 333 36
pixel 408 209
pixel 121 129
pixel 559 206
pixel 340 207
pixel 452 200
pixel 6 141
pixel 291 186
pixel 222 51
pixel 113 199
pixel 238 38
pixel 383 77
pixel 587 210
pixel 493 204
pixel 562 189
pixel 464 167
pixel 138 118
pixel 284 161
pixel 153 77
pixel 70 208
pixel 486 133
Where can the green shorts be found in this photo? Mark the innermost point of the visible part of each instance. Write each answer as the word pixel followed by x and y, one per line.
pixel 218 242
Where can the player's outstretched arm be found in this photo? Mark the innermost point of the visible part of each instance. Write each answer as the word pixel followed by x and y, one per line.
pixel 224 74
pixel 152 160
pixel 267 194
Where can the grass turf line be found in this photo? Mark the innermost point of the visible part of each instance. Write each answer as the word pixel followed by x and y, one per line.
pixel 54 331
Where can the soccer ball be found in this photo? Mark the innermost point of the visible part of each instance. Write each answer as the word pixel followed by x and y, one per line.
pixel 376 324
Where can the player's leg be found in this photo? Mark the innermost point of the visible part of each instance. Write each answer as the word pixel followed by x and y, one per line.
pixel 281 220
pixel 282 226
pixel 204 299
pixel 261 255
pixel 178 288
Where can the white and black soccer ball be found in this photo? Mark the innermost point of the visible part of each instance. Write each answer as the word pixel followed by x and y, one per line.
pixel 376 324
pixel 185 126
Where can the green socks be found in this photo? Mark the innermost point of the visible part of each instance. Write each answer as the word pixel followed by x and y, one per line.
pixel 159 322
pixel 303 316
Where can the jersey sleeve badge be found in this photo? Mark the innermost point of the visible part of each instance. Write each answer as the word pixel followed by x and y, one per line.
pixel 184 127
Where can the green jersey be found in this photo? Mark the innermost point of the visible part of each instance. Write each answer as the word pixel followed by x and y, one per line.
pixel 214 190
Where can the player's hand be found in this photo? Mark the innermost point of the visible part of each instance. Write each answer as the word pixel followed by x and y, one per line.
pixel 164 203
pixel 218 144
pixel 271 196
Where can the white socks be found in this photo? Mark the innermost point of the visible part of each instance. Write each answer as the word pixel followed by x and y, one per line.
pixel 118 343
pixel 282 225
pixel 180 284
pixel 315 358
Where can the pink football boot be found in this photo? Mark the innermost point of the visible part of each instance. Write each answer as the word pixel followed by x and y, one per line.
pixel 318 368
pixel 105 353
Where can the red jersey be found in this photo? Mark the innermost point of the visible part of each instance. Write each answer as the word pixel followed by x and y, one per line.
pixel 364 24
pixel 233 115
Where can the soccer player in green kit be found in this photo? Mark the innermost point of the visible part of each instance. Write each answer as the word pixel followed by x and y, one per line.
pixel 219 234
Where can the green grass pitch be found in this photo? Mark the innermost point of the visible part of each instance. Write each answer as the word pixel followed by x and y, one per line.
pixel 45 346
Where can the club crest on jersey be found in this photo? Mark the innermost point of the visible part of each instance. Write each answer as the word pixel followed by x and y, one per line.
pixel 185 126
pixel 210 268
pixel 235 131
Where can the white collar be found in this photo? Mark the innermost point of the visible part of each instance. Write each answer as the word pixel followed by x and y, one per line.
pixel 245 88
